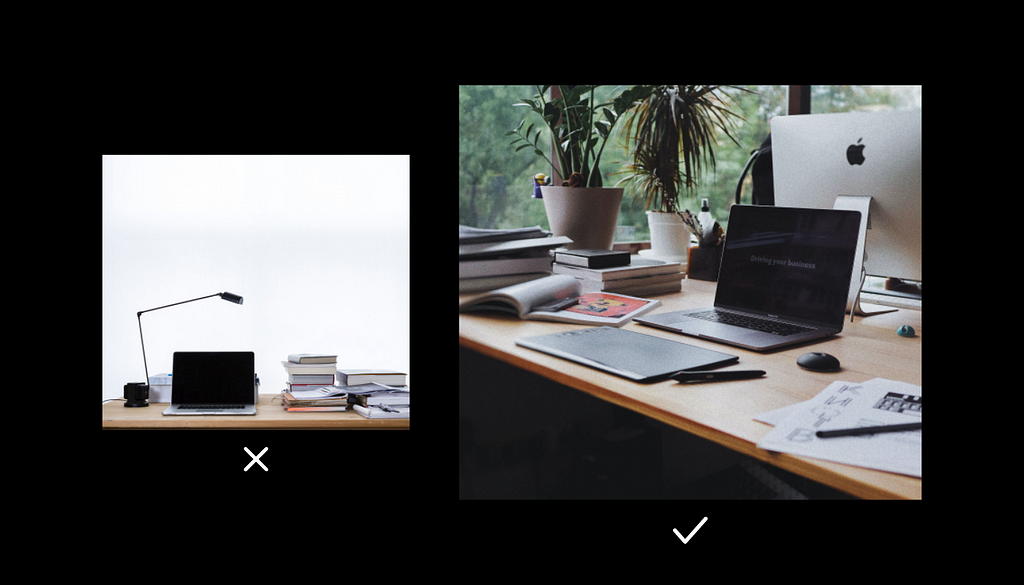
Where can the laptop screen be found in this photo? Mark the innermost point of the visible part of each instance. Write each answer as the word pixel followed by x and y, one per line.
pixel 788 262
pixel 213 377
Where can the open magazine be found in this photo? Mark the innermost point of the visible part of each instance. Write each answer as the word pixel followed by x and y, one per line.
pixel 528 300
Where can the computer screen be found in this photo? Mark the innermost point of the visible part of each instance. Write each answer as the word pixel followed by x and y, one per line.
pixel 788 262
pixel 818 157
pixel 213 377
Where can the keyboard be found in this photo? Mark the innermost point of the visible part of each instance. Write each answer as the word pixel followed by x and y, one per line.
pixel 750 322
pixel 209 406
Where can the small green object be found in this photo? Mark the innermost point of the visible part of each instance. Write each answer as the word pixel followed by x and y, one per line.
pixel 905 331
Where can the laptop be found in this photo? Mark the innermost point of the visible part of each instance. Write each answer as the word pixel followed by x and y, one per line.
pixel 213 383
pixel 784 279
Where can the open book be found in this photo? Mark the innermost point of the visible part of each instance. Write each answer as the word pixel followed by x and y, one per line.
pixel 527 300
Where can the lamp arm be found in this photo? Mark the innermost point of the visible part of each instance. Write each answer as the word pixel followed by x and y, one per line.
pixel 181 303
pixel 139 315
pixel 143 346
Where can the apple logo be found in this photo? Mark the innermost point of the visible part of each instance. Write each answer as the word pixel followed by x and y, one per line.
pixel 855 154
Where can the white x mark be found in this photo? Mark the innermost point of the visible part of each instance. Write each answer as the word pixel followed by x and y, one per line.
pixel 256 458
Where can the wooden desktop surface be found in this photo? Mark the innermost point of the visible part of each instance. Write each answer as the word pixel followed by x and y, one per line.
pixel 723 412
pixel 269 415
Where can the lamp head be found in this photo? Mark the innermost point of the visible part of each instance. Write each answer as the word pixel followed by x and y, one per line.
pixel 230 297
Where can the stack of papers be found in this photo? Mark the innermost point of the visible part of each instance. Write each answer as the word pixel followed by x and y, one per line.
pixel 844 405
pixel 325 398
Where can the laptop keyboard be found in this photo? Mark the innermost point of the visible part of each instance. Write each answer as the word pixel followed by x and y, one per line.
pixel 209 406
pixel 750 322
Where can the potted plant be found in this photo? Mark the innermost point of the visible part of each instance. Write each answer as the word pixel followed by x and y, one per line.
pixel 671 131
pixel 581 208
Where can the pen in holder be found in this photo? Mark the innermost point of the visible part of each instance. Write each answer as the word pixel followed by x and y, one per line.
pixel 703 262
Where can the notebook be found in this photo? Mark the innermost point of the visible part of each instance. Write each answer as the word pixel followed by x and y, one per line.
pixel 784 279
pixel 213 383
pixel 639 357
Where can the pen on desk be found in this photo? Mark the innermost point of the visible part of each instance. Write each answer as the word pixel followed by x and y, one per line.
pixel 557 305
pixel 717 376
pixel 868 430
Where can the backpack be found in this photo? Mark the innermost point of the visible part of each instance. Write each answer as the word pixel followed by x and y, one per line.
pixel 761 174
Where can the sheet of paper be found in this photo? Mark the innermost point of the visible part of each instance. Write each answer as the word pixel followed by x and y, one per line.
pixel 847 405
pixel 323 392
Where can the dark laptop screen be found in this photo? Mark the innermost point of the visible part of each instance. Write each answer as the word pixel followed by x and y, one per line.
pixel 213 377
pixel 789 262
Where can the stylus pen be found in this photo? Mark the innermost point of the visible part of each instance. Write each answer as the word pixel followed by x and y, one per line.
pixel 868 430
pixel 717 376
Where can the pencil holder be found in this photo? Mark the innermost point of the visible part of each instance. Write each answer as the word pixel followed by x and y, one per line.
pixel 703 262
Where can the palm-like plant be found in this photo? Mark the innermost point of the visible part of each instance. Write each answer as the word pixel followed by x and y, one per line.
pixel 672 130
pixel 579 128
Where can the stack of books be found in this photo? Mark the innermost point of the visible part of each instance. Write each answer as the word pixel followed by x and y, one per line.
pixel 307 371
pixel 325 398
pixel 490 259
pixel 354 377
pixel 619 272
pixel 376 393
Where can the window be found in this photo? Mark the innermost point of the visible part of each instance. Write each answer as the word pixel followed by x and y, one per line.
pixel 318 247
pixel 496 181
pixel 827 99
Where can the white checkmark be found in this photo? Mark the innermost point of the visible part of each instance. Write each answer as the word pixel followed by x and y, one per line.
pixel 687 539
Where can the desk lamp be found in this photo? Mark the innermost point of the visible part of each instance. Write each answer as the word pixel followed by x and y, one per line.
pixel 137 393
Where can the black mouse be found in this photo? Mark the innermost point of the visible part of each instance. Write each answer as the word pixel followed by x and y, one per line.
pixel 818 362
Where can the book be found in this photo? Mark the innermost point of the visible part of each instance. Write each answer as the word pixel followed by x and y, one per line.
pixel 354 377
pixel 592 258
pixel 309 369
pixel 382 411
pixel 315 408
pixel 336 403
pixel 510 247
pixel 327 398
pixel 312 358
pixel 521 264
pixel 526 300
pixel 656 283
pixel 321 379
pixel 469 285
pixel 392 397
pixel 472 235
pixel 638 267
pixel 303 387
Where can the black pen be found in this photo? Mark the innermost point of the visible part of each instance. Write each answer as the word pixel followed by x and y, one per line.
pixel 557 305
pixel 717 376
pixel 868 430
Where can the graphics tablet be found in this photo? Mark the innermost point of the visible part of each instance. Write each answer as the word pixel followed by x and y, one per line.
pixel 638 357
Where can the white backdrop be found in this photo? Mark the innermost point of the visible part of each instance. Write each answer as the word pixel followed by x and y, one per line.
pixel 318 247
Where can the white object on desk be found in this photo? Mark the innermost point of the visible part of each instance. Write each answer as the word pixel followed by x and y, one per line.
pixel 845 405
pixel 683 259
pixel 160 388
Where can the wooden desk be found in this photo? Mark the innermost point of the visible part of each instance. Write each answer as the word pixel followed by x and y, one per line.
pixel 723 412
pixel 269 415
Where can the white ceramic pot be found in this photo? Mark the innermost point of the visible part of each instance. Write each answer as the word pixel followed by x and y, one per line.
pixel 670 240
pixel 587 215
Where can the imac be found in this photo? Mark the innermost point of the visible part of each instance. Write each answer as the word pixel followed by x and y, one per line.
pixel 869 161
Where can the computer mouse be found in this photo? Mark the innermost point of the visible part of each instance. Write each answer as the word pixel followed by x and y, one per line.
pixel 818 362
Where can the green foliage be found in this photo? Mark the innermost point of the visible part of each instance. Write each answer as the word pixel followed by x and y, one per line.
pixel 496 182
pixel 672 131
pixel 579 139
